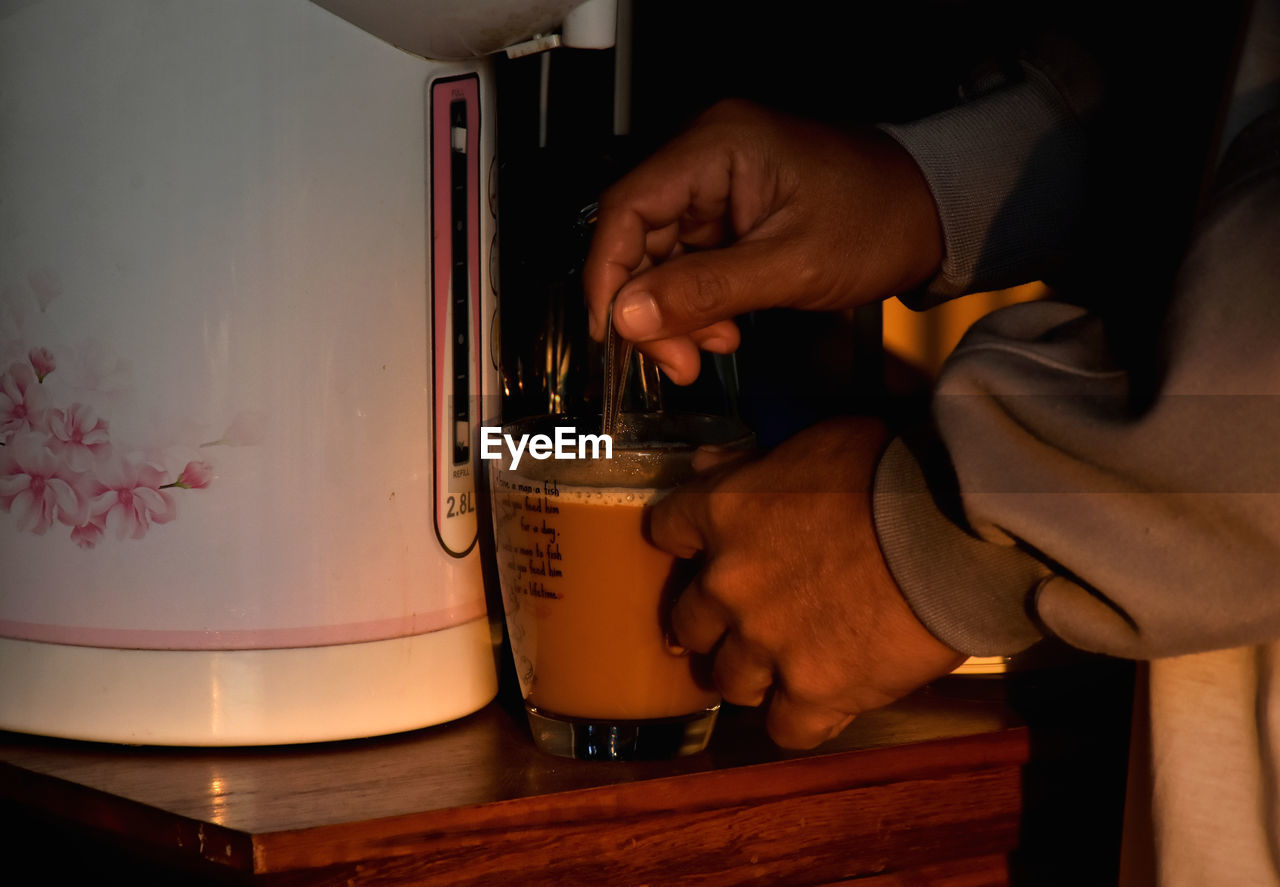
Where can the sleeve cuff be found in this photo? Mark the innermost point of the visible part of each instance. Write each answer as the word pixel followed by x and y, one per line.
pixel 1007 174
pixel 972 595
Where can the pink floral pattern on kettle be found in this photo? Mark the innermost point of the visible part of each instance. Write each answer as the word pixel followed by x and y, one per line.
pixel 58 467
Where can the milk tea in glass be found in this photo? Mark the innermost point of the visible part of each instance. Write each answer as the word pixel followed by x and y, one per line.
pixel 587 597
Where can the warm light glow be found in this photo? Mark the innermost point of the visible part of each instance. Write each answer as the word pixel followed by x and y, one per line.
pixel 217 800
pixel 923 339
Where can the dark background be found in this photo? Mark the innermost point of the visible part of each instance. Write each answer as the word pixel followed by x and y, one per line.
pixel 849 64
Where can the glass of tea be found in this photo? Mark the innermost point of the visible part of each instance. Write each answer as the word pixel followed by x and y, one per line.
pixel 586 596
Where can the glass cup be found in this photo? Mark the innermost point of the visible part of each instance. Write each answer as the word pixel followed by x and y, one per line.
pixel 587 597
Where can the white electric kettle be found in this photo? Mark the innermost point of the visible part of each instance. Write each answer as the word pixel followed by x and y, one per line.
pixel 245 345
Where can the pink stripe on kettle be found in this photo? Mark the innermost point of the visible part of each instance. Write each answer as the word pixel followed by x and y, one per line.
pixel 243 639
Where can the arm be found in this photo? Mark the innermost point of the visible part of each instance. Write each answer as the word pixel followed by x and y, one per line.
pixel 752 209
pixel 796 601
pixel 1159 526
pixel 1007 172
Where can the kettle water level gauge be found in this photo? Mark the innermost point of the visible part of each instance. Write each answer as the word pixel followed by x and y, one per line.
pixel 454 108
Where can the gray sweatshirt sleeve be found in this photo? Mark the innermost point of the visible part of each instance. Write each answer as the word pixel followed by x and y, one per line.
pixel 1138 532
pixel 1007 172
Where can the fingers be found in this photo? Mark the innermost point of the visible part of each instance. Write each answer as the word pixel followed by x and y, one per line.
pixel 743 675
pixel 696 290
pixel 680 358
pixel 718 338
pixel 749 209
pixel 793 723
pixel 701 190
pixel 674 522
pixel 698 622
pixel 678 196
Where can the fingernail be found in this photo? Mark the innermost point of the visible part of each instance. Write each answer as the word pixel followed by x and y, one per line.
pixel 593 328
pixel 674 646
pixel 636 315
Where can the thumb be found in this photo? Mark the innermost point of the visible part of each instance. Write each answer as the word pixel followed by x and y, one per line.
pixel 695 290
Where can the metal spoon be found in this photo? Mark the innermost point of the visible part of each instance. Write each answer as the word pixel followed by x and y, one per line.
pixel 617 363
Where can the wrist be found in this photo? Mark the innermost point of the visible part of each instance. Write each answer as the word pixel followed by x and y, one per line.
pixel 975 596
pixel 913 228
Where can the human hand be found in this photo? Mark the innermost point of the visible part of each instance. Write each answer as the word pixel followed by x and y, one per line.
pixel 794 593
pixel 752 209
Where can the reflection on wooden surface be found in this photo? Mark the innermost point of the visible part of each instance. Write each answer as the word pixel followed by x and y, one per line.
pixel 939 788
pixel 478 760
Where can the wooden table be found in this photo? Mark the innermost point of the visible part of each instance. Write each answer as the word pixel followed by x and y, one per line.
pixel 936 789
